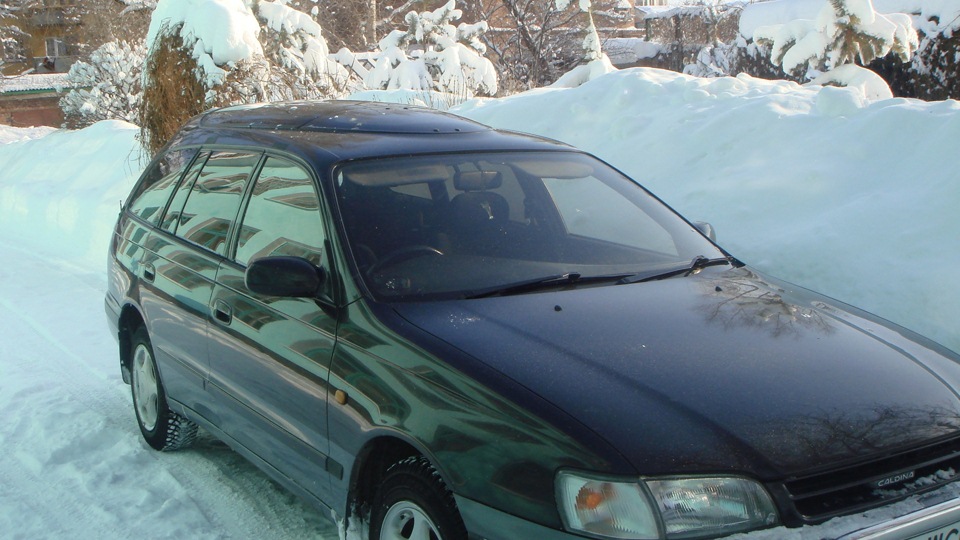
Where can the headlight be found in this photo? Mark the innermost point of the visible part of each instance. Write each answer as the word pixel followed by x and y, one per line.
pixel 654 508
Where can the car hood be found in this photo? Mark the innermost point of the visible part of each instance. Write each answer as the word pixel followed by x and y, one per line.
pixel 722 371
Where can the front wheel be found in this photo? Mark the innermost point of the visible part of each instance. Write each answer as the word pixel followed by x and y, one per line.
pixel 414 504
pixel 162 428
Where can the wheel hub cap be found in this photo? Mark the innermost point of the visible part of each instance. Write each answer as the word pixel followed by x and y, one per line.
pixel 146 395
pixel 407 521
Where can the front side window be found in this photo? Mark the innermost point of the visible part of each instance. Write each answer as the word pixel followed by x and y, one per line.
pixel 283 216
pixel 214 199
pixel 447 226
pixel 151 194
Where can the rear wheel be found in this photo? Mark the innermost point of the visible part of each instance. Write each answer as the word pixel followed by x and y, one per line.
pixel 162 428
pixel 414 504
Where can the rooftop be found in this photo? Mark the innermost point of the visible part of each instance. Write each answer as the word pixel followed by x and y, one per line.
pixel 340 116
pixel 33 83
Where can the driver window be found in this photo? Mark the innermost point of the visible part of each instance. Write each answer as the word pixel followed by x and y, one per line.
pixel 283 216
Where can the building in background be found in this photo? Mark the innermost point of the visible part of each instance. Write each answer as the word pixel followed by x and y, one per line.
pixel 32 100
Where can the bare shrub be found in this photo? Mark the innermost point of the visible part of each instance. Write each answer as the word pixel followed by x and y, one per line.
pixel 173 92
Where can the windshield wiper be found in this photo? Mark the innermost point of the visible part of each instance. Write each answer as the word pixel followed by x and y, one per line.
pixel 699 262
pixel 546 282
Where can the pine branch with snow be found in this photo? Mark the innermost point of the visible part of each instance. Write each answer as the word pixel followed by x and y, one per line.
pixel 845 32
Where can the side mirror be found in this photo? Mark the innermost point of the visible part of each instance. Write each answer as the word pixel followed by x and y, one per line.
pixel 291 277
pixel 706 229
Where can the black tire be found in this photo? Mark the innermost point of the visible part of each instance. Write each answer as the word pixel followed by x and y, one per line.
pixel 413 503
pixel 162 428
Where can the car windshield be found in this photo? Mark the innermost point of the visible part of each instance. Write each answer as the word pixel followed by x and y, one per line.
pixel 465 225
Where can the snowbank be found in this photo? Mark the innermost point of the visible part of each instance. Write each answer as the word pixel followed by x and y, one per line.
pixel 14 134
pixel 61 193
pixel 819 186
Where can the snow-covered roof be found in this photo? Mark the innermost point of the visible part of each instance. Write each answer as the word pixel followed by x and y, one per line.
pixel 656 12
pixel 627 51
pixel 33 83
pixel 689 9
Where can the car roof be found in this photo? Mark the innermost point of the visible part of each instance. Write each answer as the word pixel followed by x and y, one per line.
pixel 327 132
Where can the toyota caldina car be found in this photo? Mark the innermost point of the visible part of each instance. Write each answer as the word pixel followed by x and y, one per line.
pixel 449 331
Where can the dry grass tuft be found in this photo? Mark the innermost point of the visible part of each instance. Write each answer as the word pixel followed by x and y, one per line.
pixel 172 94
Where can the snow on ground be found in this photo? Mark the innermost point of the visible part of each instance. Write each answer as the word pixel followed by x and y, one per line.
pixel 11 134
pixel 73 464
pixel 819 186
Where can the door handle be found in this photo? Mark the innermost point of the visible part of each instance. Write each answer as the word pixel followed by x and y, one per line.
pixel 149 272
pixel 222 312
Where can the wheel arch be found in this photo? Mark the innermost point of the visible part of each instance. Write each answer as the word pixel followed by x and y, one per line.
pixel 373 461
pixel 130 321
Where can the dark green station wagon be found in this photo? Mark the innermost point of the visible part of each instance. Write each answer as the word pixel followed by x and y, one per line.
pixel 444 331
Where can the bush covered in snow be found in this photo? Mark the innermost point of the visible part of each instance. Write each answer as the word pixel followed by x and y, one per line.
pixel 932 73
pixel 108 87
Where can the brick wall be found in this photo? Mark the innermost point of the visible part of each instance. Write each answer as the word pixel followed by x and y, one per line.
pixel 26 110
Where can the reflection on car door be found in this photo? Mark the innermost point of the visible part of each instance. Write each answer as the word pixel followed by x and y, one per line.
pixel 177 281
pixel 269 357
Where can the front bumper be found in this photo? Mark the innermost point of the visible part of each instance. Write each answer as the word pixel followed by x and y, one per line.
pixel 921 516
pixel 938 522
pixel 931 516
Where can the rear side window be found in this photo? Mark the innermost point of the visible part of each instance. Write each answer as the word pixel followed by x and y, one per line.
pixel 283 216
pixel 150 197
pixel 214 199
pixel 175 211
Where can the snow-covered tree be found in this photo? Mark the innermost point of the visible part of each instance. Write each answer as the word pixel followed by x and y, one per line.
pixel 432 55
pixel 108 87
pixel 845 32
pixel 595 63
pixel 350 23
pixel 298 55
pixel 11 37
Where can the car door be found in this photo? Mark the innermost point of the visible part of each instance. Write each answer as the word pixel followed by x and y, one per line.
pixel 269 357
pixel 180 264
pixel 169 283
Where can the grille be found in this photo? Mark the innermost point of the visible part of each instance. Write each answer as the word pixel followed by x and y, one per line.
pixel 824 495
